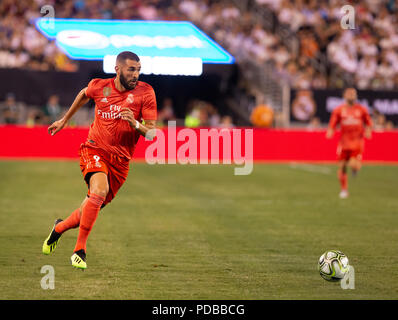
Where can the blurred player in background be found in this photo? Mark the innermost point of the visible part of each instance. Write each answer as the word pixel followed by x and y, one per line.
pixel 105 156
pixel 355 124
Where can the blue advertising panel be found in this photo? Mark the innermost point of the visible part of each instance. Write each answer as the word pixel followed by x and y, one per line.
pixel 95 39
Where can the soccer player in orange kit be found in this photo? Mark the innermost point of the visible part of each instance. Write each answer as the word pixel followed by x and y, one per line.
pixel 120 103
pixel 355 124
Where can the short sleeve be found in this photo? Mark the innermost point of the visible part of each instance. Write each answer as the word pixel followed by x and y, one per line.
pixel 149 108
pixel 366 117
pixel 91 87
pixel 335 118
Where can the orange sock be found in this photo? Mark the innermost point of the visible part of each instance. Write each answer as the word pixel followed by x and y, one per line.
pixel 343 179
pixel 89 215
pixel 71 222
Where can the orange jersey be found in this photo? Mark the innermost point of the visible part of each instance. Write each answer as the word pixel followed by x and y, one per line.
pixel 352 121
pixel 108 131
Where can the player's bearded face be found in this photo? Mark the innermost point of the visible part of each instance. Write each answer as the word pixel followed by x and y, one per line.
pixel 129 74
pixel 350 96
pixel 127 81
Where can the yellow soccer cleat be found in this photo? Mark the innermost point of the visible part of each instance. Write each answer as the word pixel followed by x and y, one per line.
pixel 78 259
pixel 51 242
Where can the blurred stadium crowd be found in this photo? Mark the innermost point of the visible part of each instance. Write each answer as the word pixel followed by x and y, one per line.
pixel 327 56
pixel 366 56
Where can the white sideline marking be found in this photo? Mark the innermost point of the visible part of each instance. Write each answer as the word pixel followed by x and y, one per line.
pixel 310 168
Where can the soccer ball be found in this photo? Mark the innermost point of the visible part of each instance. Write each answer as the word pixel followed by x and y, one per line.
pixel 333 265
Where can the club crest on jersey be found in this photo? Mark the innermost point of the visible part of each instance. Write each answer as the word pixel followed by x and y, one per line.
pixel 130 98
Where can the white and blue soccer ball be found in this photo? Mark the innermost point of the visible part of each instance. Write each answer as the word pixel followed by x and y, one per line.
pixel 333 265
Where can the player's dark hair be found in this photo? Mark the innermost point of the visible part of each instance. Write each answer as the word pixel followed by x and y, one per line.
pixel 123 56
pixel 345 88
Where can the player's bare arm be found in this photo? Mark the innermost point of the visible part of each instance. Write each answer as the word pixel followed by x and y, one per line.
pixel 329 133
pixel 368 132
pixel 80 100
pixel 145 130
pixel 334 120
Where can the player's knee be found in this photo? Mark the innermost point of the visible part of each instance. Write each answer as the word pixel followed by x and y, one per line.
pixel 102 191
pixel 99 185
pixel 354 164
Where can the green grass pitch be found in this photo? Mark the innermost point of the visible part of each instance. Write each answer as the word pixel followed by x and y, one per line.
pixel 199 232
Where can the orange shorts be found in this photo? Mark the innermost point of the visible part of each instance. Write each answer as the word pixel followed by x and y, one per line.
pixel 347 154
pixel 96 160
